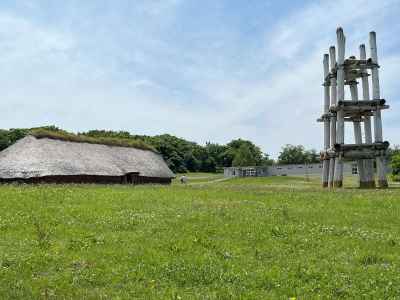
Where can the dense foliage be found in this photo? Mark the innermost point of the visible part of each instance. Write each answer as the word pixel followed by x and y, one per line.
pixel 181 155
pixel 9 137
pixel 291 154
pixel 395 164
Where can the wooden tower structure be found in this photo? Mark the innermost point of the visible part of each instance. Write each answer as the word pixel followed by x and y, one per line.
pixel 368 151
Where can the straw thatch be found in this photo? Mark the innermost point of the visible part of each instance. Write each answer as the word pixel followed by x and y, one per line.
pixel 32 157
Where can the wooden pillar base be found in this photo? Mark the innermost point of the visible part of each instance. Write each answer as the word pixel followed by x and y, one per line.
pixel 338 184
pixel 367 185
pixel 383 184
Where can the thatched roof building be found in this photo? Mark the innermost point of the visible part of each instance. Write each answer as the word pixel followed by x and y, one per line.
pixel 34 159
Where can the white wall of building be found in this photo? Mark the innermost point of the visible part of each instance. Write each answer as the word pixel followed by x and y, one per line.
pixel 350 168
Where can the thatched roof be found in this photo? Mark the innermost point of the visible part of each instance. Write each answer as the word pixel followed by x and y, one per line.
pixel 61 135
pixel 33 157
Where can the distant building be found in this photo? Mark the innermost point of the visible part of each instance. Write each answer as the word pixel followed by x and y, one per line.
pixel 350 168
pixel 37 160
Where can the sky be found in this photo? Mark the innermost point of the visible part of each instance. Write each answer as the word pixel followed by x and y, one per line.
pixel 209 70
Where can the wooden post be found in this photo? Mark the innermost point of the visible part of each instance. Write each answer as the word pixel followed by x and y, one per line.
pixel 341 41
pixel 380 161
pixel 325 163
pixel 332 55
pixel 358 137
pixel 369 163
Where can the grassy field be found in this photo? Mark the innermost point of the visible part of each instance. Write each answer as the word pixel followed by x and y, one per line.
pixel 255 238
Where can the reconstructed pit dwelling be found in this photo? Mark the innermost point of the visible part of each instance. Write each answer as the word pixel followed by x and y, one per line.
pixel 339 72
pixel 51 160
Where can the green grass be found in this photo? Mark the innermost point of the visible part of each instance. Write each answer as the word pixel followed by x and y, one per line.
pixel 41 133
pixel 199 178
pixel 253 238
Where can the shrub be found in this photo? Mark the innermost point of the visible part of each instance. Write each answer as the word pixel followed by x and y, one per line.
pixel 395 164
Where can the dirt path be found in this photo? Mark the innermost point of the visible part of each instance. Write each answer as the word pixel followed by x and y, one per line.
pixel 209 182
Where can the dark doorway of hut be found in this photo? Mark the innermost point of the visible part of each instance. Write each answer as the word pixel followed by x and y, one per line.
pixel 131 178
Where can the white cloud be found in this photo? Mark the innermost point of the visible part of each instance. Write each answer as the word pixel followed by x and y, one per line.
pixel 289 99
pixel 137 74
pixel 21 39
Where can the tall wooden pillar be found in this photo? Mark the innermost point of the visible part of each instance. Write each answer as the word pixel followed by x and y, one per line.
pixel 380 161
pixel 358 137
pixel 368 163
pixel 341 41
pixel 333 102
pixel 327 139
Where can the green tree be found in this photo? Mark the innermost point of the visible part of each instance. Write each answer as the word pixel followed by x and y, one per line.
pixel 247 150
pixel 244 157
pixel 191 163
pixel 9 137
pixel 312 156
pixel 291 154
pixel 176 163
pixel 209 165
pixel 267 161
pixel 393 151
pixel 216 152
pixel 4 139
pixel 395 164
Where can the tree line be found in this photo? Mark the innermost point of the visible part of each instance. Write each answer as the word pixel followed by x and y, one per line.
pixel 181 155
pixel 186 156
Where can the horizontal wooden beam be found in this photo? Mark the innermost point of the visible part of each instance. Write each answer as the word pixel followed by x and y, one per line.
pixel 349 116
pixel 326 117
pixel 350 147
pixel 354 119
pixel 357 114
pixel 353 155
pixel 359 64
pixel 352 152
pixel 376 102
pixel 360 107
pixel 353 69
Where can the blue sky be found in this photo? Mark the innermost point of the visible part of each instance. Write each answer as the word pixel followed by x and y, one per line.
pixel 209 70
